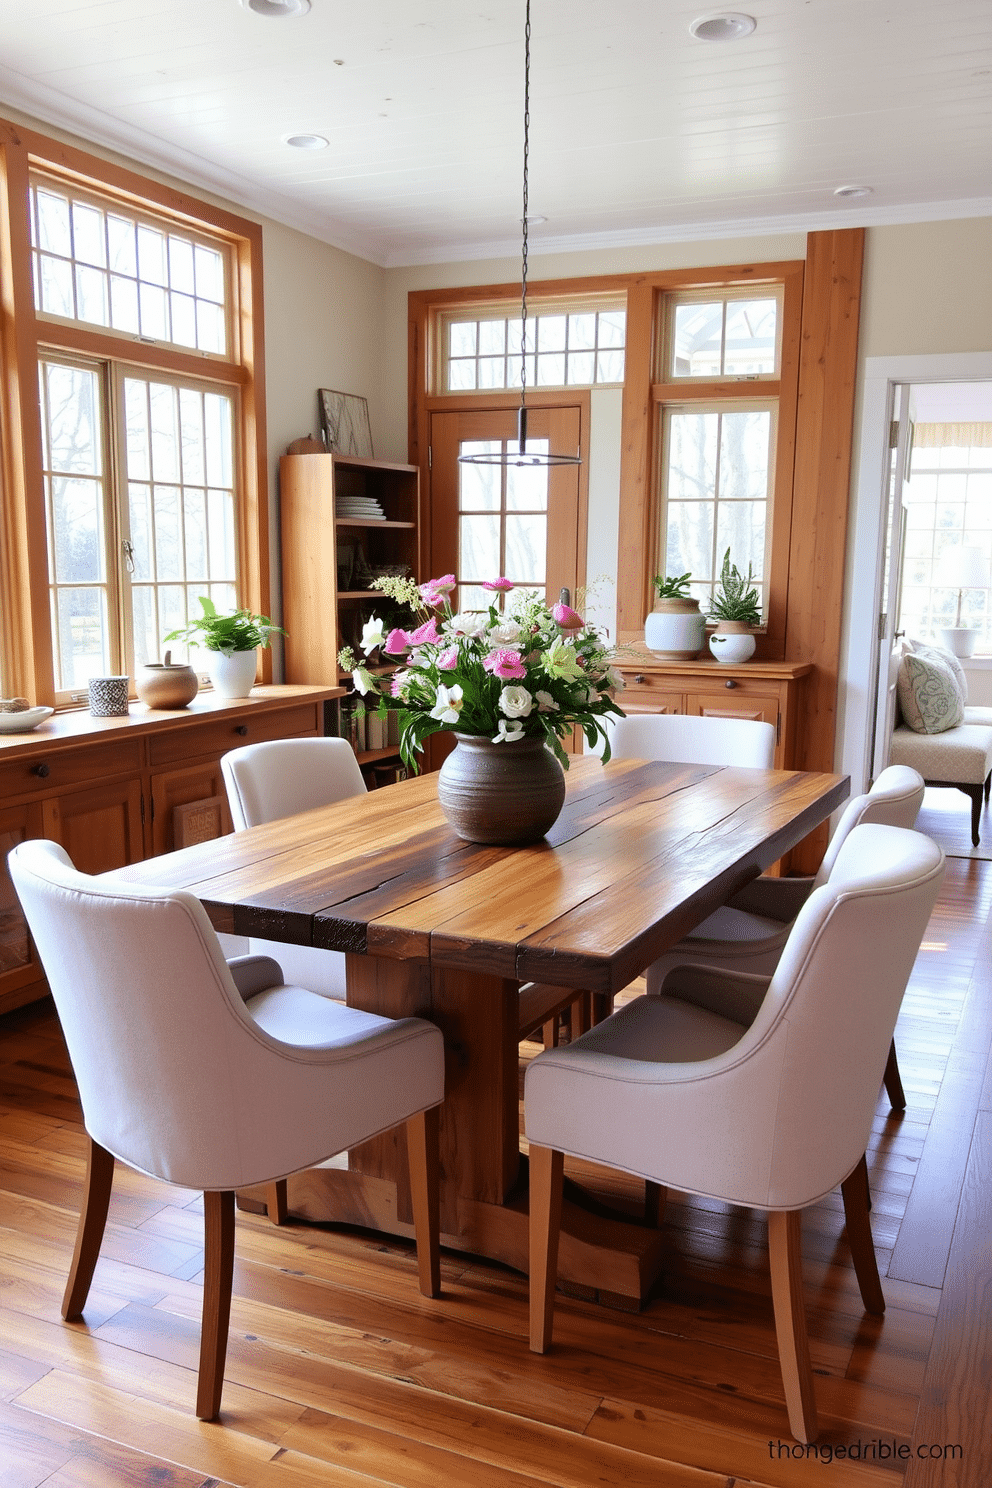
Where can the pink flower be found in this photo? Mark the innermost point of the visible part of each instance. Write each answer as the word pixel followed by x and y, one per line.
pixel 397 642
pixel 448 660
pixel 434 590
pixel 424 634
pixel 499 585
pixel 504 663
pixel 566 617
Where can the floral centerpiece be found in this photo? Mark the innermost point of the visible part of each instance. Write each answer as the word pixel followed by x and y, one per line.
pixel 510 680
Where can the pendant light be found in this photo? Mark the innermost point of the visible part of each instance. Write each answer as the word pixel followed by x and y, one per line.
pixel 523 455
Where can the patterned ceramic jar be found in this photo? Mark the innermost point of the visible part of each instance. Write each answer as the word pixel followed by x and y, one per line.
pixel 108 696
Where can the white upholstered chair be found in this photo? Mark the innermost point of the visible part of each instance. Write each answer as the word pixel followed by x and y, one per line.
pixel 280 778
pixel 688 740
pixel 772 1114
pixel 748 933
pixel 214 1076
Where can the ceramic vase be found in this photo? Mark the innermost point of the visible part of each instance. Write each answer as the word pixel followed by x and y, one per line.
pixel 232 672
pixel 504 794
pixel 732 641
pixel 675 630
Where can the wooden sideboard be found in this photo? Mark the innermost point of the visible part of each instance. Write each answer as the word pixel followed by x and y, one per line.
pixel 108 789
pixel 766 690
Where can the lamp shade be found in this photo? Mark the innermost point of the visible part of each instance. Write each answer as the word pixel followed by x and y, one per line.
pixel 962 567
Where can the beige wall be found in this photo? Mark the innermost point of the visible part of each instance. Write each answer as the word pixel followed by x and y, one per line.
pixel 927 288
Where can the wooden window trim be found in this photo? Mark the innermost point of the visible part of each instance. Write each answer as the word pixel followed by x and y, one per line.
pixel 26 634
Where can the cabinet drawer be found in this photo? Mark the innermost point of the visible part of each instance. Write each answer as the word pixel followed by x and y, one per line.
pixel 645 693
pixel 219 735
pixel 48 773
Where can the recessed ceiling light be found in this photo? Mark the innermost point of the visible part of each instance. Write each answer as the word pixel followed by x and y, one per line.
pixel 847 191
pixel 730 26
pixel 277 9
pixel 306 141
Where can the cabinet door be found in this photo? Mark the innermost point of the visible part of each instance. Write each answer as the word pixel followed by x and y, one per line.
pixel 101 828
pixel 19 966
pixel 740 702
pixel 174 788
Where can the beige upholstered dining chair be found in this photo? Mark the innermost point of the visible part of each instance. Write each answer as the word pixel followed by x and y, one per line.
pixel 748 933
pixel 685 739
pixel 283 777
pixel 682 1091
pixel 211 1075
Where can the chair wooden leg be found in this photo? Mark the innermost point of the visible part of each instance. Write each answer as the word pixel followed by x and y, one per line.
pixel 785 1259
pixel 547 1169
pixel 655 1199
pixel 218 1268
pixel 549 1033
pixel 580 1017
pixel 422 1155
pixel 277 1201
pixel 892 1081
pixel 89 1233
pixel 854 1189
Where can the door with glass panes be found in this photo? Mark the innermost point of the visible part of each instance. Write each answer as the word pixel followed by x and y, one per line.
pixel 525 523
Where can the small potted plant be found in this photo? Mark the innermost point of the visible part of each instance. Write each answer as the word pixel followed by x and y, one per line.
pixel 675 630
pixel 232 641
pixel 736 609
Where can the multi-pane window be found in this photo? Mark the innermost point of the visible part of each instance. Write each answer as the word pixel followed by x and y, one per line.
pixel 128 557
pixel 565 348
pixel 716 461
pixel 502 522
pixel 105 266
pixel 726 337
pixel 716 486
pixel 949 509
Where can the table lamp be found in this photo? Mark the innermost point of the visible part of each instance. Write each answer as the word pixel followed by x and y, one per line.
pixel 961 567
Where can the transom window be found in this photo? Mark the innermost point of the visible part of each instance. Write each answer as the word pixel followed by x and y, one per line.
pixel 102 265
pixel 566 347
pixel 723 336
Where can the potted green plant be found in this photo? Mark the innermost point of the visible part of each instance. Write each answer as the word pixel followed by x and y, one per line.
pixel 675 630
pixel 736 608
pixel 232 641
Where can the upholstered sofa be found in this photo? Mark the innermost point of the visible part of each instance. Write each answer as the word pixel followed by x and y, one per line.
pixel 950 744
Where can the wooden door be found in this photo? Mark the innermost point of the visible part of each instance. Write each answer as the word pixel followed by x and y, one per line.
pixel 526 523
pixel 101 828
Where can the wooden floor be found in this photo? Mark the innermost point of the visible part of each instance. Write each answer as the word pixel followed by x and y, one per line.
pixel 340 1374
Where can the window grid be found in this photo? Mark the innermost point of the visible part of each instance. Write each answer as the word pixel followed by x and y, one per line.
pixel 99 265
pixel 583 348
pixel 949 501
pixel 730 336
pixel 502 524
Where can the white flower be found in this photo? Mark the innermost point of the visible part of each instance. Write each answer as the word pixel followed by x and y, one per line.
pixel 363 680
pixel 509 733
pixel 467 622
pixel 448 704
pixel 506 633
pixel 372 635
pixel 515 702
pixel 615 678
pixel 546 703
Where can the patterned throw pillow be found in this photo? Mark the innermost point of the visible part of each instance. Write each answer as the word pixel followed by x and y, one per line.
pixel 922 648
pixel 928 694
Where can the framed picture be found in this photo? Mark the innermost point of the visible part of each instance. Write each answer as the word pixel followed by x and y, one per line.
pixel 344 419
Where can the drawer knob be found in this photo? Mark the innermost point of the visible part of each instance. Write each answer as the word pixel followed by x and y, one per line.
pixel 730 682
pixel 640 677
pixel 241 728
pixel 43 770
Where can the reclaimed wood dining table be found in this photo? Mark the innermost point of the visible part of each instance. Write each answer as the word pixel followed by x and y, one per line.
pixel 440 928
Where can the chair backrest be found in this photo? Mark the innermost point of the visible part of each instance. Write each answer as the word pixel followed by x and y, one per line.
pixel 822 1034
pixel 694 741
pixel 170 1066
pixel 893 801
pixel 286 776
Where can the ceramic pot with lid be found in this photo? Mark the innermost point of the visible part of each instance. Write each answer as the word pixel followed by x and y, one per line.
pixel 166 684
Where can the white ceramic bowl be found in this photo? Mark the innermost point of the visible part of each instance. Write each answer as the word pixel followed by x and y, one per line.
pixel 22 723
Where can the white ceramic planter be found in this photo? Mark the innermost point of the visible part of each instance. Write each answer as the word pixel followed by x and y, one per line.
pixel 675 631
pixel 233 674
pixel 732 641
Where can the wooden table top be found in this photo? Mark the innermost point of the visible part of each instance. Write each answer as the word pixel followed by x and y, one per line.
pixel 640 854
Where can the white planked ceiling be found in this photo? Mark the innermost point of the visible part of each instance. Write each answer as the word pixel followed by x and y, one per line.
pixel 639 133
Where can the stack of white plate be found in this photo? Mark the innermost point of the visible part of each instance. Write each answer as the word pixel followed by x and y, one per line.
pixel 360 508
